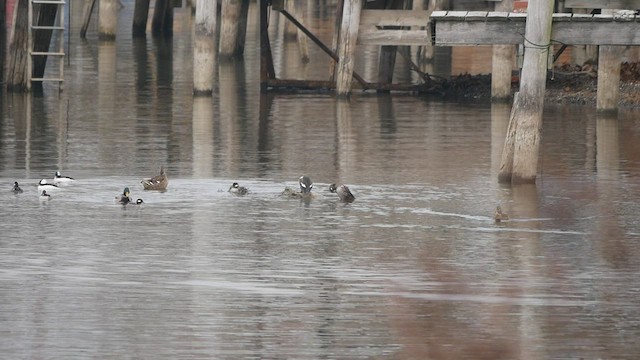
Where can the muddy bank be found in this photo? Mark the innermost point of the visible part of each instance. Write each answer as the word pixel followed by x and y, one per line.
pixel 565 85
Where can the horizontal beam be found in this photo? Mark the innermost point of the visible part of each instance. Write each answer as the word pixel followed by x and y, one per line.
pixel 572 29
pixel 372 18
pixel 602 4
pixel 393 37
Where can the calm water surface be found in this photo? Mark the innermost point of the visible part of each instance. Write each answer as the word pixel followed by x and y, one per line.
pixel 415 268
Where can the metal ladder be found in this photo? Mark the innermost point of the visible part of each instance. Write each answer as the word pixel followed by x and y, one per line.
pixel 57 30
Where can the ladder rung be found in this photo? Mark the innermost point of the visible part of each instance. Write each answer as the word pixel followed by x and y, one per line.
pixel 52 2
pixel 40 53
pixel 47 79
pixel 39 27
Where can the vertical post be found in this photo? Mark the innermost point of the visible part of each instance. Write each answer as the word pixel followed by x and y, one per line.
pixel 526 121
pixel 86 17
pixel 162 22
pixel 347 45
pixel 16 76
pixel 108 19
pixel 140 17
pixel 386 64
pixel 204 49
pixel 502 63
pixel 233 23
pixel 303 42
pixel 336 38
pixel 609 60
pixel 267 70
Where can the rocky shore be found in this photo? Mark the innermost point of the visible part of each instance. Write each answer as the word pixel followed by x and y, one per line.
pixel 565 85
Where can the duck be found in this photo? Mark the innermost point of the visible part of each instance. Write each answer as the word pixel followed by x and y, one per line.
pixel 499 216
pixel 305 189
pixel 44 196
pixel 16 188
pixel 124 199
pixel 343 192
pixel 138 202
pixel 44 185
pixel 235 188
pixel 158 182
pixel 59 179
pixel 305 184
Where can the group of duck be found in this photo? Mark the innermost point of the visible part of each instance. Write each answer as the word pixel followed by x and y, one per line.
pixel 161 181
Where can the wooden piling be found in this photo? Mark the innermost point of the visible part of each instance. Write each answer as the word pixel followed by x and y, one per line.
pixel 162 22
pixel 233 28
pixel 16 76
pixel 335 39
pixel 526 121
pixel 502 63
pixel 204 48
pixel 107 19
pixel 347 45
pixel 87 10
pixel 140 17
pixel 609 61
pixel 267 70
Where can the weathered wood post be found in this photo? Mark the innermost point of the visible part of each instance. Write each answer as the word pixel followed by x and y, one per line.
pixel 17 78
pixel 162 22
pixel 520 155
pixel 233 28
pixel 204 48
pixel 347 45
pixel 609 60
pixel 108 19
pixel 267 70
pixel 388 54
pixel 426 52
pixel 502 63
pixel 87 10
pixel 336 38
pixel 140 17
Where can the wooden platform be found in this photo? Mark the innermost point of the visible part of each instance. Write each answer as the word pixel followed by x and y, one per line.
pixel 454 28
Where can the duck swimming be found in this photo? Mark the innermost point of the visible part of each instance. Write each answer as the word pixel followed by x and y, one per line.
pixel 44 196
pixel 59 179
pixel 158 182
pixel 124 199
pixel 237 189
pixel 44 185
pixel 343 192
pixel 16 188
pixel 499 216
pixel 305 189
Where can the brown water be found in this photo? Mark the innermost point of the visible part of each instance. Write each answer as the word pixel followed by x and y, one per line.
pixel 415 268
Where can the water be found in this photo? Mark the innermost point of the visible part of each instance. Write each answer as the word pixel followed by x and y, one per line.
pixel 415 268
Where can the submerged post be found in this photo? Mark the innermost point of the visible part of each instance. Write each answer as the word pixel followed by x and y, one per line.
pixel 526 120
pixel 204 49
pixel 108 19
pixel 347 45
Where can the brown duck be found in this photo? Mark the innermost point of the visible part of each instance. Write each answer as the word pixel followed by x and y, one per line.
pixel 158 182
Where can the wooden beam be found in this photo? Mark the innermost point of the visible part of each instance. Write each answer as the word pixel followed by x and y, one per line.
pixel 573 29
pixel 372 18
pixel 602 4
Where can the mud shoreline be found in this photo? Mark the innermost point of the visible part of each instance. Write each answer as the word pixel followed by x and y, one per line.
pixel 569 86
